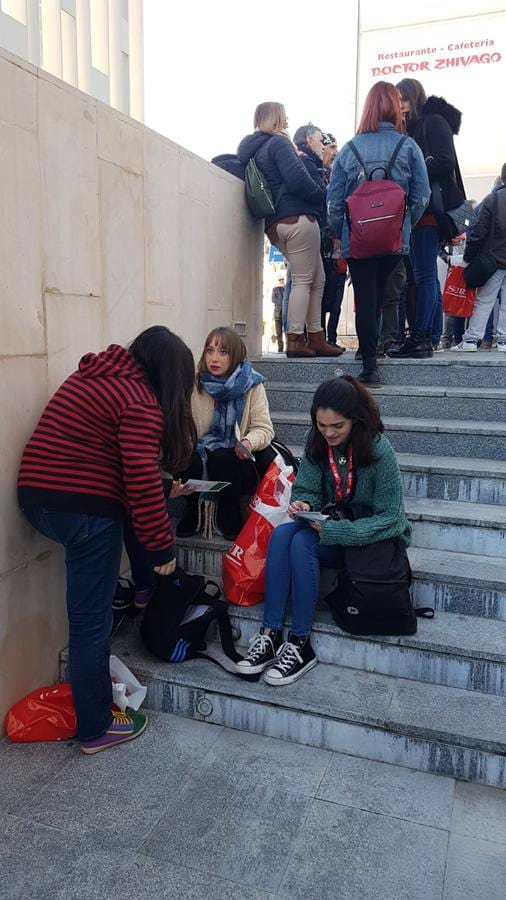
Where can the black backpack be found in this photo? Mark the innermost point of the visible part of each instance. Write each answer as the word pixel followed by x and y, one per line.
pixel 178 617
pixel 373 594
pixel 231 163
pixel 286 454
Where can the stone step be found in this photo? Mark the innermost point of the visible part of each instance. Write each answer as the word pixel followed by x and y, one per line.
pixel 450 437
pixel 450 477
pixel 482 369
pixel 457 651
pixel 475 528
pixel 451 582
pixel 453 478
pixel 429 402
pixel 431 728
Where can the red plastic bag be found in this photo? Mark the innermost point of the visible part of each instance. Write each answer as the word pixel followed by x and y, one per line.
pixel 244 563
pixel 458 298
pixel 46 714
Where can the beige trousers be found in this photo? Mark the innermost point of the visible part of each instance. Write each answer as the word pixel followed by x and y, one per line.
pixel 300 245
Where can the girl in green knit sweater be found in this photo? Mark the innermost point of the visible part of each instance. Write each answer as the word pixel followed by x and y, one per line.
pixel 347 462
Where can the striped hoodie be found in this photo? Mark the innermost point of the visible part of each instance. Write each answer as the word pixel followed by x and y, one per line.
pixel 96 450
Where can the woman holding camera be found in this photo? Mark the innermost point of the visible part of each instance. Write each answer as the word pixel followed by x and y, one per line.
pixel 350 469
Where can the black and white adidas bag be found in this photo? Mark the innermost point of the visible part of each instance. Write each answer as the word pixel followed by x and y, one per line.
pixel 178 618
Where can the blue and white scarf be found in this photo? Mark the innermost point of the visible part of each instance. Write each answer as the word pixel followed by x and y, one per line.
pixel 229 395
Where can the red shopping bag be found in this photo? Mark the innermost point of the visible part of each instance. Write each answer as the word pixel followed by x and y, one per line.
pixel 458 298
pixel 46 714
pixel 244 563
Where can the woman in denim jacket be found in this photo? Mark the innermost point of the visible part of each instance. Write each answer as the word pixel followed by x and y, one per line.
pixel 377 137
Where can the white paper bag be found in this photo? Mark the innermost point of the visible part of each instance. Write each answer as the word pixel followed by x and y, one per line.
pixel 126 690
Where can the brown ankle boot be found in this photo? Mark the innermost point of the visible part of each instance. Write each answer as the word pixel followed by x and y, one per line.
pixel 296 346
pixel 316 342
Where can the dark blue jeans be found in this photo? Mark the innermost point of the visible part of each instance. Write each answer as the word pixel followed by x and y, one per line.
pixel 143 573
pixel 286 298
pixel 293 569
pixel 424 251
pixel 93 548
pixel 489 330
pixel 332 299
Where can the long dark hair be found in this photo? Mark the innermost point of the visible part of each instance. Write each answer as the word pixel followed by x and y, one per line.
pixel 412 90
pixel 349 398
pixel 170 368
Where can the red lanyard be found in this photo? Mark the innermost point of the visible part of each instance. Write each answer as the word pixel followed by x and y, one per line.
pixel 342 496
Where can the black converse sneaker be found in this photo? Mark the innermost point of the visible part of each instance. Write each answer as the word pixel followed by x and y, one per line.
pixel 295 657
pixel 261 653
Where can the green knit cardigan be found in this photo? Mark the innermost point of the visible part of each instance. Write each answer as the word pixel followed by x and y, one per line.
pixel 378 487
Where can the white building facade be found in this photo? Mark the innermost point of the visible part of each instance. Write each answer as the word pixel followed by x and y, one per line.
pixel 94 45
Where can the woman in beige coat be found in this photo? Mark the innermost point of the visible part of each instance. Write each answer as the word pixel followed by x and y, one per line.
pixel 234 428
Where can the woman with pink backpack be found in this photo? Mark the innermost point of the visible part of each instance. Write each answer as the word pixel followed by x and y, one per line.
pixel 373 239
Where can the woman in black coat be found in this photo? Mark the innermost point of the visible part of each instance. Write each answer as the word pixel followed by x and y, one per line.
pixel 432 123
pixel 294 228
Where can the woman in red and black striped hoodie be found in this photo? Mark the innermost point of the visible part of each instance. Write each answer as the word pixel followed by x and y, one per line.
pixel 93 458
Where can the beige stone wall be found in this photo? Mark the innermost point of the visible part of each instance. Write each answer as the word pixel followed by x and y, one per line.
pixel 106 228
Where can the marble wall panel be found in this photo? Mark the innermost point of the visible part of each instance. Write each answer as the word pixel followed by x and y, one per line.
pixel 23 394
pixel 119 139
pixel 122 253
pixel 68 158
pixel 160 314
pixel 74 327
pixel 194 176
pixel 161 220
pixel 33 626
pixel 193 271
pixel 21 318
pixel 18 96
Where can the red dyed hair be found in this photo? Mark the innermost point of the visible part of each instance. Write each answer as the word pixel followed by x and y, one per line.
pixel 382 104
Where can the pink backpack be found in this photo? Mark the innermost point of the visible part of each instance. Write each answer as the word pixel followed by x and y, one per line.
pixel 376 211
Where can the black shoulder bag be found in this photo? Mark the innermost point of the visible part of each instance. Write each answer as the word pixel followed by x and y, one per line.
pixel 178 617
pixel 451 222
pixel 484 264
pixel 373 594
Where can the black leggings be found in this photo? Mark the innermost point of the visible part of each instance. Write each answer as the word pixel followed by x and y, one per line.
pixel 224 465
pixel 368 277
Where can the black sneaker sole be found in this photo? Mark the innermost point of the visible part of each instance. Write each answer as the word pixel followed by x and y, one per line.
pixel 279 682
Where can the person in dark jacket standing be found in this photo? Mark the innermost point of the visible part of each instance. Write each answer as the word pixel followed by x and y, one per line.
pixel 432 123
pixel 93 458
pixel 294 228
pixel 486 295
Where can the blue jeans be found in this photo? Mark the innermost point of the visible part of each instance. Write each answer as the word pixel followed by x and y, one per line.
pixel 424 251
pixel 437 322
pixel 93 548
pixel 293 568
pixel 489 330
pixel 332 299
pixel 286 298
pixel 143 573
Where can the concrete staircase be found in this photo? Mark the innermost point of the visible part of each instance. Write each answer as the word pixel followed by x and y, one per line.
pixel 434 701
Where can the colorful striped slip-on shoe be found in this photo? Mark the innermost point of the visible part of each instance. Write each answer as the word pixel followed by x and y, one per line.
pixel 124 727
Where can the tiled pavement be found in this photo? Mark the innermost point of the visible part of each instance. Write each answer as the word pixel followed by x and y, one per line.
pixel 192 810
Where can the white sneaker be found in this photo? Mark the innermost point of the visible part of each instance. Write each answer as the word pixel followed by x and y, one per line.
pixel 501 345
pixel 466 346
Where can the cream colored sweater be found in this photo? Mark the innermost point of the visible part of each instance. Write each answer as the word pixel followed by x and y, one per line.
pixel 256 423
